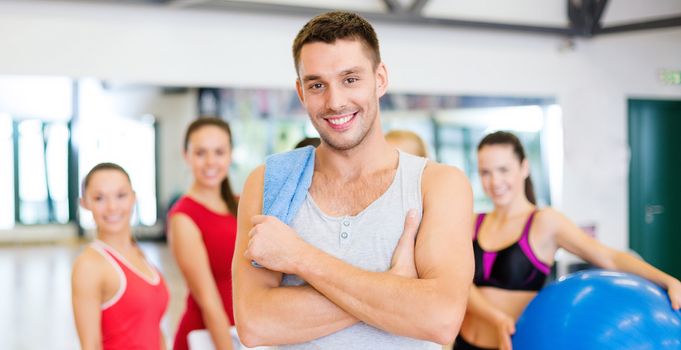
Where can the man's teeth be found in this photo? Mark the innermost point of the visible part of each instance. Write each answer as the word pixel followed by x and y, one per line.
pixel 340 121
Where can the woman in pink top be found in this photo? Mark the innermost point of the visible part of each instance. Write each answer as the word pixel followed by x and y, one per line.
pixel 118 297
pixel 515 244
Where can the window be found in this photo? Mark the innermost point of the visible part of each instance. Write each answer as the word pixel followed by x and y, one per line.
pixel 43 194
pixel 6 172
pixel 267 121
pixel 460 130
pixel 130 144
pixel 56 158
pixel 33 207
pixel 33 149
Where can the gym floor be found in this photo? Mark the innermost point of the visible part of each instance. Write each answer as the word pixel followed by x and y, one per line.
pixel 35 295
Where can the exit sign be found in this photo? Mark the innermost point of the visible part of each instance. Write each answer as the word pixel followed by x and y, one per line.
pixel 670 77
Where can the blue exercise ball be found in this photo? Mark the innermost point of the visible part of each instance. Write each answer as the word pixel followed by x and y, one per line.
pixel 599 309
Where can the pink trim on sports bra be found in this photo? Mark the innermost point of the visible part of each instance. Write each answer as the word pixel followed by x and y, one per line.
pixel 478 222
pixel 487 263
pixel 523 242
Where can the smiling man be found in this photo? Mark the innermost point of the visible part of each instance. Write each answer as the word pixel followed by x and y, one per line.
pixel 378 255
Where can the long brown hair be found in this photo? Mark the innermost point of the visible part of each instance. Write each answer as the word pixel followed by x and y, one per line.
pixel 225 188
pixel 506 138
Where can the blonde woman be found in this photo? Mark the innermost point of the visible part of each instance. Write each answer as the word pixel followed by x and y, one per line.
pixel 407 141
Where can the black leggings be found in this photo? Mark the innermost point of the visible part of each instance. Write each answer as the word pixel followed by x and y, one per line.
pixel 462 344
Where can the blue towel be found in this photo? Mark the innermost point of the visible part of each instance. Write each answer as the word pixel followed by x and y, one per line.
pixel 287 178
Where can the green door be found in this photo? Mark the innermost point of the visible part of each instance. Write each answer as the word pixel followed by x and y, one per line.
pixel 655 182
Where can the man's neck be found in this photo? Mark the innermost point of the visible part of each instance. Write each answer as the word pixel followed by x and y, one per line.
pixel 372 155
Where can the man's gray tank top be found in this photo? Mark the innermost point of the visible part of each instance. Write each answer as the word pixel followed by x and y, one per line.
pixel 367 241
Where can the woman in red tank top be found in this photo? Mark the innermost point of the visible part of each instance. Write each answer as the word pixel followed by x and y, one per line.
pixel 202 232
pixel 118 297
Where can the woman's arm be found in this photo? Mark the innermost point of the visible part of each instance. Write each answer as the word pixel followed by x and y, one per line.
pixel 190 253
pixel 576 241
pixel 86 298
pixel 162 342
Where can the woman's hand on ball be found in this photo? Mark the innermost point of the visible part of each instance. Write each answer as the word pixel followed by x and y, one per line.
pixel 505 329
pixel 674 291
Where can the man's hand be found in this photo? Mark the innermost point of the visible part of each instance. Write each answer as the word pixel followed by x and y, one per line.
pixel 402 263
pixel 273 244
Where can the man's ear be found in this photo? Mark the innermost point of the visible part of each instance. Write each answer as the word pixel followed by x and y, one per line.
pixel 381 80
pixel 185 155
pixel 299 90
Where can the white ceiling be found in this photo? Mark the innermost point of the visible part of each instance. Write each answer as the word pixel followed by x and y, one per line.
pixel 552 14
pixel 531 12
pixel 628 11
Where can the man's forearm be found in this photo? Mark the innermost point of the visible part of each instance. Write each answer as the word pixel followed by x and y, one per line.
pixel 289 315
pixel 418 308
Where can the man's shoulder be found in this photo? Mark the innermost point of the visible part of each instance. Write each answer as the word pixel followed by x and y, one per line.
pixel 290 157
pixel 438 176
pixel 253 186
pixel 257 174
pixel 435 171
pixel 282 167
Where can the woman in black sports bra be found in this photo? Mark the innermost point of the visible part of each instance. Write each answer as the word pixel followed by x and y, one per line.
pixel 514 248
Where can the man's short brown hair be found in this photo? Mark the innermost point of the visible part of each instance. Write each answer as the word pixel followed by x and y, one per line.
pixel 331 26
